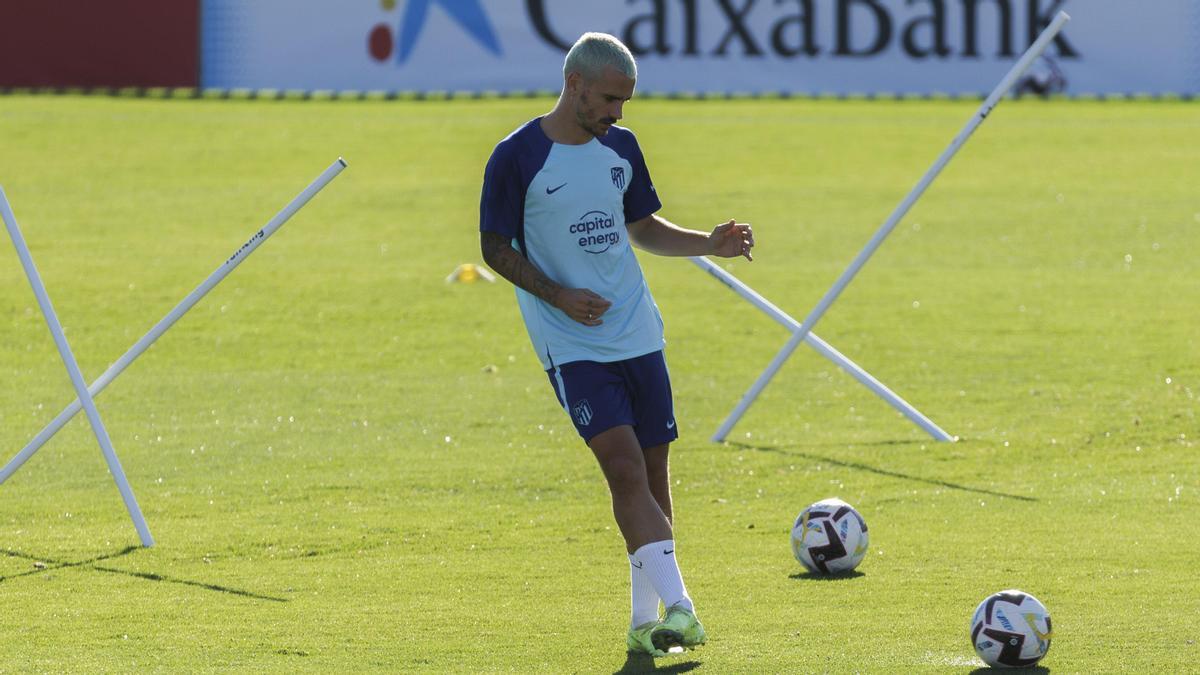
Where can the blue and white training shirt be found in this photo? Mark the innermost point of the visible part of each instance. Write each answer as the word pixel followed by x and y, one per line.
pixel 565 207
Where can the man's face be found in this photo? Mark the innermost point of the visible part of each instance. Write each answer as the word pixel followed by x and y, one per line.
pixel 598 102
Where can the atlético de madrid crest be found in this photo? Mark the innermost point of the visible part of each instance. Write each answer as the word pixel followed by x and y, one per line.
pixel 582 412
pixel 618 177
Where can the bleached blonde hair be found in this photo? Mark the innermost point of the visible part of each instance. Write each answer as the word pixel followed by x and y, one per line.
pixel 593 52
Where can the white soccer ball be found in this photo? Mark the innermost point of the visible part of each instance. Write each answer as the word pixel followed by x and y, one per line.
pixel 829 537
pixel 1011 629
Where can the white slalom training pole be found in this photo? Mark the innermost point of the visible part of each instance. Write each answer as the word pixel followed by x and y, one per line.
pixel 832 294
pixel 174 315
pixel 64 349
pixel 824 349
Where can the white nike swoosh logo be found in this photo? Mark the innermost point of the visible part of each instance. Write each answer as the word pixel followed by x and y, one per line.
pixel 671 424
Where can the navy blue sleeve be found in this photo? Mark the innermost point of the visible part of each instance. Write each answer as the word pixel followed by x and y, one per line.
pixel 641 199
pixel 502 204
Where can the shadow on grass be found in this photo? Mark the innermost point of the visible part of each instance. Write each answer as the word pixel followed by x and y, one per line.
pixel 1035 670
pixel 644 663
pixel 882 472
pixel 813 576
pixel 42 565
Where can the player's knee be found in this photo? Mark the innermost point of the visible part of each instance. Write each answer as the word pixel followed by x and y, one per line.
pixel 625 474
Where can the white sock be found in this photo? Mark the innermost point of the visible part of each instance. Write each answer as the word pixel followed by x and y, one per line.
pixel 659 566
pixel 642 596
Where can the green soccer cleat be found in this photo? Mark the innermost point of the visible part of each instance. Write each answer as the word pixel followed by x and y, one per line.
pixel 679 627
pixel 639 642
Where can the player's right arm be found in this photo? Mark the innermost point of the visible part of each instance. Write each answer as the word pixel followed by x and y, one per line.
pixel 580 304
pixel 501 220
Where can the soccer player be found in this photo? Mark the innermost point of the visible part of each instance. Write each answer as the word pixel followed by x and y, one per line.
pixel 564 197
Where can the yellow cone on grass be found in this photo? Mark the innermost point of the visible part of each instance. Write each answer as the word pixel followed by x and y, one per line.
pixel 469 273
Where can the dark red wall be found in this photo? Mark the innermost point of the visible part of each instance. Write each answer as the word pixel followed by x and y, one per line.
pixel 99 43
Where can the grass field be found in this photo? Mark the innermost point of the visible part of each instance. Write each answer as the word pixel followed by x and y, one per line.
pixel 350 465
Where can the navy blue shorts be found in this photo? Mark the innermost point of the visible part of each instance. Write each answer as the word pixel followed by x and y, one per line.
pixel 600 396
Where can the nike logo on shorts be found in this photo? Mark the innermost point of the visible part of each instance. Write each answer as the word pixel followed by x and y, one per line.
pixel 671 424
pixel 550 190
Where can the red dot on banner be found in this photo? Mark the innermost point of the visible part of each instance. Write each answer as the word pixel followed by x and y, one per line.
pixel 380 42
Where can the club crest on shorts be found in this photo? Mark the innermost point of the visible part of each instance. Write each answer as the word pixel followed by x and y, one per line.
pixel 582 413
pixel 618 177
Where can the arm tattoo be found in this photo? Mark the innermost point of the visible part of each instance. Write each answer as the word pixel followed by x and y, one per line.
pixel 508 263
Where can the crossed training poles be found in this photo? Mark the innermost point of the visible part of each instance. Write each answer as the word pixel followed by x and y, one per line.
pixel 802 332
pixel 86 394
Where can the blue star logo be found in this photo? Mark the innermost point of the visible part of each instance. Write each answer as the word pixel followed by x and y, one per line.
pixel 466 13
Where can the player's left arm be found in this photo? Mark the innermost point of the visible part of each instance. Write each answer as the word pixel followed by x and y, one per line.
pixel 660 236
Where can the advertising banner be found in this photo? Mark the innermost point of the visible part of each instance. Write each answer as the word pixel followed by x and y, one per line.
pixel 794 46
